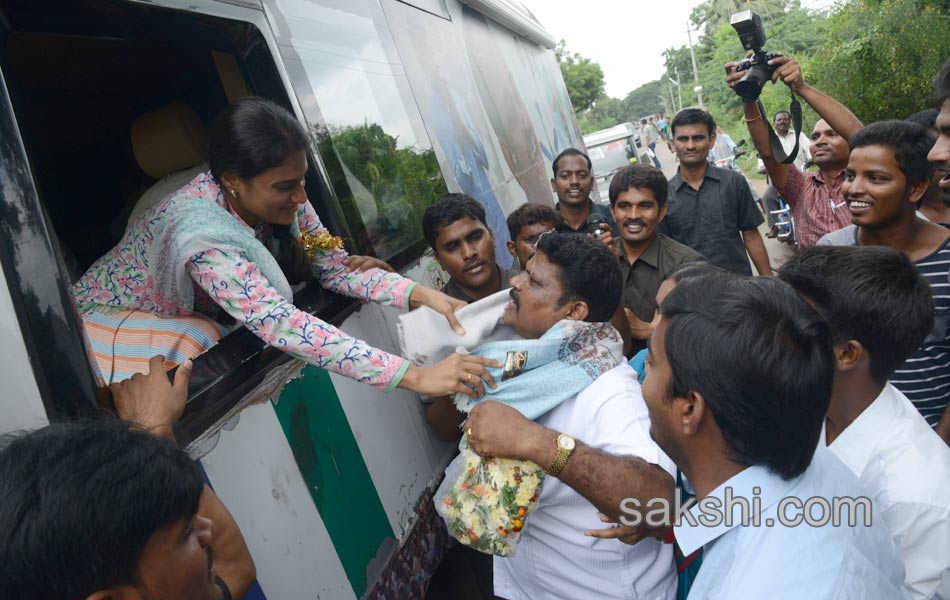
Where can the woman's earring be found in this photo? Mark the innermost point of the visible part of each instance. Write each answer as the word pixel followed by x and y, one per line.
pixel 233 193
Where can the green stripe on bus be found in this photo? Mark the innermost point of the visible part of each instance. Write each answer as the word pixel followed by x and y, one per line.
pixel 331 463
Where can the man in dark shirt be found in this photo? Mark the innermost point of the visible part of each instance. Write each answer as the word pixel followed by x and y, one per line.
pixel 455 228
pixel 638 202
pixel 711 210
pixel 572 183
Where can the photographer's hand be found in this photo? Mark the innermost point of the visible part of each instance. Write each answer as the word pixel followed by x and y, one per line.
pixel 758 131
pixel 789 71
pixel 833 112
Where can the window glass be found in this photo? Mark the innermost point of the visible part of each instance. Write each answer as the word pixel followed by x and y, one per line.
pixel 436 7
pixel 378 158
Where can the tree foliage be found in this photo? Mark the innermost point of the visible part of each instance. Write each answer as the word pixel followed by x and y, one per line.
pixel 875 56
pixel 584 78
pixel 886 57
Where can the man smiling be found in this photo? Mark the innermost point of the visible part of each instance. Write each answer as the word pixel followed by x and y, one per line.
pixel 712 210
pixel 638 204
pixel 887 175
pixel 572 183
pixel 454 225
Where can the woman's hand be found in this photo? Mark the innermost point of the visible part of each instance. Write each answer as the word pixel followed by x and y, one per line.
pixel 457 374
pixel 365 263
pixel 439 302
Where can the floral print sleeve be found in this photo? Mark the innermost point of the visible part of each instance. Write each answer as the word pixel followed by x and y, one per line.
pixel 371 285
pixel 236 284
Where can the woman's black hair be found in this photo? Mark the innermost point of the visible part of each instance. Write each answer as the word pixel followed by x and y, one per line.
pixel 251 136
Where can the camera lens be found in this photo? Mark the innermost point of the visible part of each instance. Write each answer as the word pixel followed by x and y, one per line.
pixel 750 86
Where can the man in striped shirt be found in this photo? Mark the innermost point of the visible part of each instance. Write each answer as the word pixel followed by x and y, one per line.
pixel 887 175
pixel 815 199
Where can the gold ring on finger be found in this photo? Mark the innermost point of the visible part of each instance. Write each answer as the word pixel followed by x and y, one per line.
pixel 469 378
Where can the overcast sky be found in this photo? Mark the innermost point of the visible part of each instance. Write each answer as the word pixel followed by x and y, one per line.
pixel 626 37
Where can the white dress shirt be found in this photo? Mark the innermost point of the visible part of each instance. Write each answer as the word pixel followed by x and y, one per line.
pixel 794 563
pixel 554 559
pixel 905 468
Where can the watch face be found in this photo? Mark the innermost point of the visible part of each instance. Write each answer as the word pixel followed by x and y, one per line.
pixel 565 441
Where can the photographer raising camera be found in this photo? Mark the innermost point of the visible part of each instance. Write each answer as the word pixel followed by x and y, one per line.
pixel 815 199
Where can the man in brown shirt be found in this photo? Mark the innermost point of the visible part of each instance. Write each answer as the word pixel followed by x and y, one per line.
pixel 638 196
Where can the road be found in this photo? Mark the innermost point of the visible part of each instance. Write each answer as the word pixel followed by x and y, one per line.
pixel 778 251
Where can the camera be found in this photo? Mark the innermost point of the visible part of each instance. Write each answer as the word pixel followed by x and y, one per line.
pixel 758 71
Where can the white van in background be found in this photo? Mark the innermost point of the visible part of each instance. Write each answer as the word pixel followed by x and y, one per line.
pixel 609 150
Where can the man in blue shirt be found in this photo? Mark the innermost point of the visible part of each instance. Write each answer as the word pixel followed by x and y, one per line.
pixel 738 382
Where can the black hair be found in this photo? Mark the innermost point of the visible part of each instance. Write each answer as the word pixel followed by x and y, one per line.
pixel 871 294
pixel 781 112
pixel 78 503
pixel 925 118
pixel 695 269
pixel 251 136
pixel 942 84
pixel 910 142
pixel 639 176
pixel 448 209
pixel 692 116
pixel 588 271
pixel 531 213
pixel 762 359
pixel 570 152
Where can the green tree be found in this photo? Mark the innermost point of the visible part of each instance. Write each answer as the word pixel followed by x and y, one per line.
pixel 583 78
pixel 884 56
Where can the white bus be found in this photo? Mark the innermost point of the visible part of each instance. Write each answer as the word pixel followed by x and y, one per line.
pixel 103 101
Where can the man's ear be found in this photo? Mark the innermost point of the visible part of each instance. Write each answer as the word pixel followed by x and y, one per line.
pixel 577 310
pixel 512 249
pixel 917 191
pixel 849 355
pixel 663 210
pixel 553 186
pixel 688 412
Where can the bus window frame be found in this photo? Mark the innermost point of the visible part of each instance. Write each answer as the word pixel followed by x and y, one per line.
pixel 222 376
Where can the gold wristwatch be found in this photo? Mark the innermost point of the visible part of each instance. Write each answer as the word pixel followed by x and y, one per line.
pixel 565 446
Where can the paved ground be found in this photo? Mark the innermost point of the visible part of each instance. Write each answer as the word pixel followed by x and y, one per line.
pixel 778 251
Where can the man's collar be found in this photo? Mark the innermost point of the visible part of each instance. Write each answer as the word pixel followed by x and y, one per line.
pixel 817 177
pixel 752 482
pixel 856 444
pixel 712 172
pixel 650 256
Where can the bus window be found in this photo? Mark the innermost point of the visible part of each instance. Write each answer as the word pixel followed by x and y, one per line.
pixel 369 132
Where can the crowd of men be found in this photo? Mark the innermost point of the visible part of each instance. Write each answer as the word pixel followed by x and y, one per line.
pixel 829 380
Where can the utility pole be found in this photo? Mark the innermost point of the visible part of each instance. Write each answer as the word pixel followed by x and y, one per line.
pixel 679 89
pixel 692 53
pixel 666 105
pixel 672 98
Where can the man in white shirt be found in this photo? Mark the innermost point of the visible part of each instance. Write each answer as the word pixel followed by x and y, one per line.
pixel 781 123
pixel 738 382
pixel 880 310
pixel 595 445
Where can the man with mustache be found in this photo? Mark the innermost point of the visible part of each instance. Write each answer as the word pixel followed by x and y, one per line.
pixel 815 199
pixel 935 205
pixel 572 183
pixel 594 442
pixel 638 203
pixel 455 228
pixel 112 510
pixel 711 209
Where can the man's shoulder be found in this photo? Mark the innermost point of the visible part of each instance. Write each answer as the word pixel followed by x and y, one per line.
pixel 846 236
pixel 675 252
